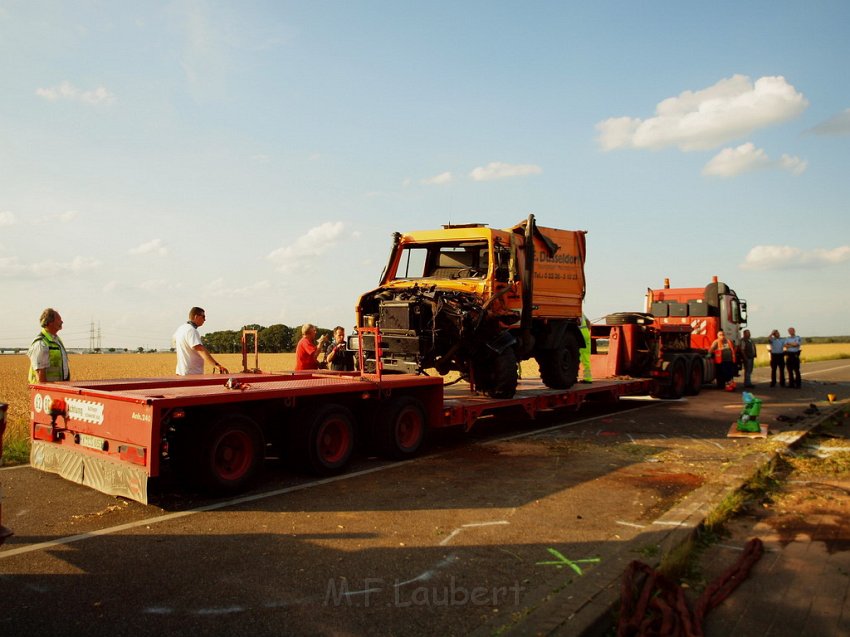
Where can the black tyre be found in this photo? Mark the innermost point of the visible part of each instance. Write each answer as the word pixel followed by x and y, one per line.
pixel 674 385
pixel 324 439
pixel 230 454
pixel 497 375
pixel 399 428
pixel 559 366
pixel 628 318
pixel 678 378
pixel 696 376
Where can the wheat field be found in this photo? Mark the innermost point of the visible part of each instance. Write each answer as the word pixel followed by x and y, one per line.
pixel 14 390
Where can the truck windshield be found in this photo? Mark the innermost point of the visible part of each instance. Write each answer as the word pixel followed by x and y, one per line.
pixel 412 264
pixel 444 261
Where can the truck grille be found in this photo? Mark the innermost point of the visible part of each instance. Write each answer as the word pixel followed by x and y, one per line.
pixel 399 316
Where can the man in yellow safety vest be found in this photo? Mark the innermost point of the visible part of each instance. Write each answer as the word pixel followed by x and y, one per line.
pixel 48 357
pixel 584 352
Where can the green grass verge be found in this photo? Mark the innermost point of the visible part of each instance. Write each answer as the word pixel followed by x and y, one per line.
pixel 16 451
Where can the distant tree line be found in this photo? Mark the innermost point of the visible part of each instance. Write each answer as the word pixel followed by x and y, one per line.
pixel 272 339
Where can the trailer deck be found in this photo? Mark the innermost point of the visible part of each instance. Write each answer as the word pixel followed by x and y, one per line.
pixel 114 435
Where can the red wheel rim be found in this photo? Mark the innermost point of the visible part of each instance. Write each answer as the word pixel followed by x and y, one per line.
pixel 334 441
pixel 233 455
pixel 409 426
pixel 696 376
pixel 678 381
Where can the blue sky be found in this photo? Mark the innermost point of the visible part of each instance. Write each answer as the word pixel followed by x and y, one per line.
pixel 254 158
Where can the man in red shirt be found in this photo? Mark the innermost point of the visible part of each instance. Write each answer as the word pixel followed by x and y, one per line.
pixel 307 351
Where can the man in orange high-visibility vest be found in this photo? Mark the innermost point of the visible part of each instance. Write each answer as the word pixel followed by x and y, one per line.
pixel 723 351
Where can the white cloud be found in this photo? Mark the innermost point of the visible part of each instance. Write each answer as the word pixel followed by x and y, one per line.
pixel 731 162
pixel 786 258
pixel 314 243
pixel 793 165
pixel 154 246
pixel 60 217
pixel 155 285
pixel 205 58
pixel 11 267
pixel 67 91
pixel 66 217
pixel 704 119
pixel 217 287
pixel 439 180
pixel 7 218
pixel 500 170
pixel 836 125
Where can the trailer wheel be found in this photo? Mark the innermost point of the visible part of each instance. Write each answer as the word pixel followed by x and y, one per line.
pixel 399 428
pixel 695 377
pixel 230 454
pixel 559 366
pixel 325 439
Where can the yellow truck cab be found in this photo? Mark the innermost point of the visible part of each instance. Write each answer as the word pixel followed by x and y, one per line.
pixel 477 300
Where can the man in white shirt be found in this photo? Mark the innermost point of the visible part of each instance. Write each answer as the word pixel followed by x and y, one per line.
pixel 793 347
pixel 777 358
pixel 191 352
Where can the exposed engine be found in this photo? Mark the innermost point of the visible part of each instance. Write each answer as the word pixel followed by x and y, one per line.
pixel 426 327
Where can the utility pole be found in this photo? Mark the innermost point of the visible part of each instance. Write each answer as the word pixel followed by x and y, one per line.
pixel 91 336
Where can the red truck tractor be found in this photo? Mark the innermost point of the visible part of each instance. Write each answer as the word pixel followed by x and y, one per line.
pixel 706 310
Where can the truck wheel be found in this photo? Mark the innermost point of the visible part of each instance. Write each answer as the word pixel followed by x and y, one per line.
pixel 497 375
pixel 673 386
pixel 559 366
pixel 627 318
pixel 399 428
pixel 695 378
pixel 678 378
pixel 325 439
pixel 230 454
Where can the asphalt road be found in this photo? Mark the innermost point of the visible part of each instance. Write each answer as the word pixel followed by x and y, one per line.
pixel 469 535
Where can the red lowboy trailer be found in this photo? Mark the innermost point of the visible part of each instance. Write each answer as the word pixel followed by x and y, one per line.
pixel 115 435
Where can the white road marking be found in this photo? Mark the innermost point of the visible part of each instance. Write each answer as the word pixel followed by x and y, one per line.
pixel 451 559
pixel 448 561
pixel 449 537
pixel 474 524
pixel 824 371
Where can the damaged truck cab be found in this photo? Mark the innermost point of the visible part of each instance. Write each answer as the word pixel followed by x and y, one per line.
pixel 477 300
